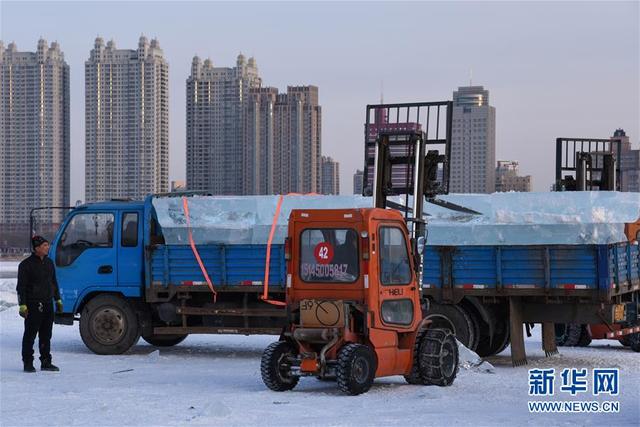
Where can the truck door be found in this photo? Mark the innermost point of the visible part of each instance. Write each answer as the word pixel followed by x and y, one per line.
pixel 85 255
pixel 399 305
pixel 130 260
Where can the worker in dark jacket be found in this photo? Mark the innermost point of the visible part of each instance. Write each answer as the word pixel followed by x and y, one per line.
pixel 37 289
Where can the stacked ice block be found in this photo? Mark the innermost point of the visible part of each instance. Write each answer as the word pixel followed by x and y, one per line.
pixel 506 218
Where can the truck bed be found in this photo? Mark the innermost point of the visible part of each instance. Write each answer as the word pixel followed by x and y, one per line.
pixel 612 268
pixel 228 266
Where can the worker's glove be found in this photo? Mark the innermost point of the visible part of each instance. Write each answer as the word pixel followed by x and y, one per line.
pixel 59 306
pixel 23 312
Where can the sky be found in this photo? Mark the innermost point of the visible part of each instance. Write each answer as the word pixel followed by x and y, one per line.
pixel 569 69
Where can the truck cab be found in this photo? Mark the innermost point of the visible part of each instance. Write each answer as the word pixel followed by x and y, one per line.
pixel 99 248
pixel 98 254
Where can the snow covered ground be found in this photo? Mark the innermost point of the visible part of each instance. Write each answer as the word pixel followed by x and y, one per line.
pixel 215 380
pixel 8 274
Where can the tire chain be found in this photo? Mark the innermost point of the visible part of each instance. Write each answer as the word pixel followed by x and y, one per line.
pixel 430 363
pixel 414 376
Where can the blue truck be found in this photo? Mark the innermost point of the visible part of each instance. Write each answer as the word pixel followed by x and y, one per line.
pixel 120 281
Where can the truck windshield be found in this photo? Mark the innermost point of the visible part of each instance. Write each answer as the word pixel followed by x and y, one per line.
pixel 329 255
pixel 84 231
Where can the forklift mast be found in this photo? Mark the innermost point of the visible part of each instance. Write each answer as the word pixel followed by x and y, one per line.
pixel 588 164
pixel 399 160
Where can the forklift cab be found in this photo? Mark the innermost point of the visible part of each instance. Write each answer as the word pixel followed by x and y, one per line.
pixel 359 261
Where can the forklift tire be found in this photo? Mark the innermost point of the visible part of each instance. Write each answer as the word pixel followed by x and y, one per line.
pixel 585 336
pixel 164 340
pixel 634 342
pixel 453 318
pixel 109 325
pixel 568 334
pixel 275 374
pixel 439 358
pixel 356 369
pixel 414 376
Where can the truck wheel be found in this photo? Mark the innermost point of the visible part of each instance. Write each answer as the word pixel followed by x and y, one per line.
pixel 164 340
pixel 356 369
pixel 108 325
pixel 568 334
pixel 498 342
pixel 415 377
pixel 275 369
pixel 625 341
pixel 454 319
pixel 476 322
pixel 634 342
pixel 439 361
pixel 501 338
pixel 585 336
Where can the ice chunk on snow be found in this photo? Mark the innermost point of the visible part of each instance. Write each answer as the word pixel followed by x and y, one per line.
pixel 154 356
pixel 8 295
pixel 471 361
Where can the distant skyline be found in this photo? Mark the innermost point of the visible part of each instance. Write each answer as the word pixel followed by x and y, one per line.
pixel 553 69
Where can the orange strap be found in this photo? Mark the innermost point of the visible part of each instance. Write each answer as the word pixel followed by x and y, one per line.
pixel 185 206
pixel 274 223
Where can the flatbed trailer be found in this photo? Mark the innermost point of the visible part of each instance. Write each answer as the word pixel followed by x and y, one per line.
pixel 497 289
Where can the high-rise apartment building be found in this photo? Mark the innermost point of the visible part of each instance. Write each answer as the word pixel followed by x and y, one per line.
pixel 508 178
pixel 34 134
pixel 126 121
pixel 297 141
pixel 629 162
pixel 473 142
pixel 358 178
pixel 216 98
pixel 330 176
pixel 260 141
pixel 243 138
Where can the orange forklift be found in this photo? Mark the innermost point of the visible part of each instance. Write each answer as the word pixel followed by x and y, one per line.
pixel 353 279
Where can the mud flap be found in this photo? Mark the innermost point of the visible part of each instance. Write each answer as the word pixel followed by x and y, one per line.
pixel 549 339
pixel 518 355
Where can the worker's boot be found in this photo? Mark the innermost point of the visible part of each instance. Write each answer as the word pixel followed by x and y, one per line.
pixel 46 365
pixel 28 367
